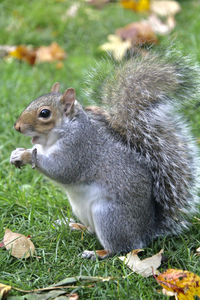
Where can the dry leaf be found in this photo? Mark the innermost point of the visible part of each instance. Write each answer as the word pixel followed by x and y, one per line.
pixel 74 296
pixel 116 46
pixel 198 250
pixel 165 8
pixel 138 33
pixel 71 11
pixel 161 27
pixel 19 244
pixel 145 267
pixel 97 3
pixel 184 283
pixel 24 53
pixel 4 290
pixel 50 53
pixel 136 5
pixel 6 49
pixel 168 293
pixel 36 55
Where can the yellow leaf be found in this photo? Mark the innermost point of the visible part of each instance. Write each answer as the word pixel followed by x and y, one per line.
pixel 24 53
pixel 184 283
pixel 4 290
pixel 116 46
pixel 136 5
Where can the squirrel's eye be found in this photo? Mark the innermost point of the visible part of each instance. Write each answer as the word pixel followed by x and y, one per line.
pixel 45 113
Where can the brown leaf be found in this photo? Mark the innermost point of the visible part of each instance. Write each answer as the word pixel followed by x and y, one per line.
pixel 19 244
pixel 138 33
pixel 145 267
pixel 97 3
pixel 24 53
pixel 4 290
pixel 184 283
pixel 32 55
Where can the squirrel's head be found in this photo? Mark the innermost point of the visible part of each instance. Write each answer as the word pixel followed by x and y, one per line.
pixel 46 113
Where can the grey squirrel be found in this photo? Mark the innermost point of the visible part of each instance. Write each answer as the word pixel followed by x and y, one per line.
pixel 130 167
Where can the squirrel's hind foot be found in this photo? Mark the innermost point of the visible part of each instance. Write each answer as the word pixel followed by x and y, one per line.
pixel 93 255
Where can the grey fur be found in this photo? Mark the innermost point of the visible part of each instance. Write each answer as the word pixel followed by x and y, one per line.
pixel 143 97
pixel 139 156
pixel 90 153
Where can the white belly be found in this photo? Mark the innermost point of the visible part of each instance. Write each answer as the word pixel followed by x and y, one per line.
pixel 82 198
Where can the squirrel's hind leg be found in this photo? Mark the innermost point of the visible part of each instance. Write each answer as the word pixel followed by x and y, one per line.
pixel 72 224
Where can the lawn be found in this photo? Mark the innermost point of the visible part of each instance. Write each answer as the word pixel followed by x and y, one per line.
pixel 30 203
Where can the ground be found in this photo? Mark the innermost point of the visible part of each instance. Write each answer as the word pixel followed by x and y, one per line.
pixel 29 203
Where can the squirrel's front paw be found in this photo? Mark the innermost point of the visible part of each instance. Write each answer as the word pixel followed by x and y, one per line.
pixel 20 157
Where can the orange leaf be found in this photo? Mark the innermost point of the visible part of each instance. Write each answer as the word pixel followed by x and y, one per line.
pixel 136 5
pixel 24 53
pixel 50 53
pixel 186 284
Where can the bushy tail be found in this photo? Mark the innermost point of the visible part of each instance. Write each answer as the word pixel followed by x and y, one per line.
pixel 141 98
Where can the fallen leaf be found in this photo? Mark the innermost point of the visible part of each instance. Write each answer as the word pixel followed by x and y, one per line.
pixel 24 53
pixel 145 267
pixel 116 46
pixel 74 297
pixel 32 55
pixel 50 53
pixel 52 295
pixel 4 290
pixel 97 3
pixel 168 293
pixel 136 5
pixel 71 11
pixel 161 27
pixel 75 279
pixel 6 49
pixel 164 8
pixel 198 250
pixel 184 283
pixel 19 244
pixel 138 33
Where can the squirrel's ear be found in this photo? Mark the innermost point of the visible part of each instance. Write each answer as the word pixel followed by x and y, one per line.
pixel 55 88
pixel 68 99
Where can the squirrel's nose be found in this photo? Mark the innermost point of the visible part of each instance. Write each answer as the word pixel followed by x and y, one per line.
pixel 17 126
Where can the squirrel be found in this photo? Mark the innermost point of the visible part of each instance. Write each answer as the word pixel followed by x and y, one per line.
pixel 130 167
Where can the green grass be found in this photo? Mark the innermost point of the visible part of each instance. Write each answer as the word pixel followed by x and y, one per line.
pixel 29 203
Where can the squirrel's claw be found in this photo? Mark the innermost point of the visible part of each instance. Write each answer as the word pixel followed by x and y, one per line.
pixel 20 157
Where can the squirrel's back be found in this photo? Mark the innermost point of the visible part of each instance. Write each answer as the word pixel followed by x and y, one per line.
pixel 141 98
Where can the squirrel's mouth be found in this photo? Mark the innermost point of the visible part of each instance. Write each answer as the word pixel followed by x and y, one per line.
pixel 35 139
